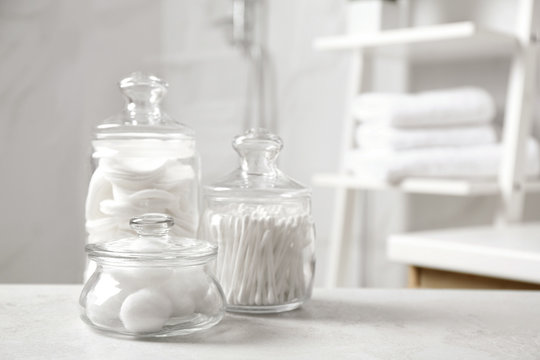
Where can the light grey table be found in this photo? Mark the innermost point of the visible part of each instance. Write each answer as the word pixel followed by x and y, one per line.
pixel 42 322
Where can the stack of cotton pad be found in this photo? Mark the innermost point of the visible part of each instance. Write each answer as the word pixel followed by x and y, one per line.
pixel 129 184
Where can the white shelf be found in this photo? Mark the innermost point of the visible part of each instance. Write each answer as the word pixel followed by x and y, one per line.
pixel 427 43
pixel 508 252
pixel 416 185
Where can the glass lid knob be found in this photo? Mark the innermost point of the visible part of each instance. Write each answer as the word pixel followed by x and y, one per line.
pixel 258 150
pixel 153 224
pixel 143 93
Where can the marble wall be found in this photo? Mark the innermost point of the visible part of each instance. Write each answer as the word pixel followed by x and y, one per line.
pixel 208 85
pixel 59 61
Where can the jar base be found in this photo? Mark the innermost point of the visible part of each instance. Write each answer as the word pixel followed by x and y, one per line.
pixel 196 324
pixel 264 309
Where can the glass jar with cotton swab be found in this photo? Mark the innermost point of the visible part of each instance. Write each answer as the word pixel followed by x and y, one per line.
pixel 261 221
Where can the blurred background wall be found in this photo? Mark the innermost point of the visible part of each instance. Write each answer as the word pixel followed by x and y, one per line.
pixel 60 60
pixel 59 64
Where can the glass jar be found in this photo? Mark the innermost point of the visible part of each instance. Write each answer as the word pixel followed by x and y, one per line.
pixel 152 285
pixel 144 162
pixel 261 220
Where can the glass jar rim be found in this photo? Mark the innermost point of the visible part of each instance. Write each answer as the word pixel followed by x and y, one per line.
pixel 188 252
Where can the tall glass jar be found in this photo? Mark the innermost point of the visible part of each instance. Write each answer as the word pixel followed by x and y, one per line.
pixel 261 221
pixel 144 162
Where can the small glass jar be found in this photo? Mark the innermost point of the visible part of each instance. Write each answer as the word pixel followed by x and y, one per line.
pixel 144 162
pixel 261 220
pixel 152 285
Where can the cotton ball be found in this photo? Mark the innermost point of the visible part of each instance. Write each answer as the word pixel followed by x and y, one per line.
pixel 177 290
pixel 138 277
pixel 106 312
pixel 186 289
pixel 210 304
pixel 183 306
pixel 146 310
pixel 197 282
pixel 146 245
pixel 104 301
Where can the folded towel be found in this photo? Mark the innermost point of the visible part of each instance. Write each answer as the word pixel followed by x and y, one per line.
pixel 471 162
pixel 459 106
pixel 374 136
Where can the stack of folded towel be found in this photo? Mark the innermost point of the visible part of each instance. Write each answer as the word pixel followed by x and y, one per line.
pixel 444 133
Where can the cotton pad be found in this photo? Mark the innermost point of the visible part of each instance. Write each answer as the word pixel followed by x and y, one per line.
pixel 99 189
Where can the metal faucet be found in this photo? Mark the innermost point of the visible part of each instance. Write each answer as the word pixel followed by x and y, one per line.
pixel 248 22
pixel 244 13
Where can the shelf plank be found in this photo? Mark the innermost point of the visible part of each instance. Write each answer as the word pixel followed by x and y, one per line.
pixel 511 252
pixel 454 187
pixel 427 43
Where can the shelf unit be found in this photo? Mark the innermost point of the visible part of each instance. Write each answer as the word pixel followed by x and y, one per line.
pixel 455 187
pixel 463 40
pixel 427 43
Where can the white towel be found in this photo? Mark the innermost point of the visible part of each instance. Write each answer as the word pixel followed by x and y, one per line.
pixel 471 162
pixel 459 106
pixel 375 136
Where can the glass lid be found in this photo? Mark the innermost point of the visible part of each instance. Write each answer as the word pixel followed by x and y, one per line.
pixel 153 244
pixel 142 116
pixel 258 174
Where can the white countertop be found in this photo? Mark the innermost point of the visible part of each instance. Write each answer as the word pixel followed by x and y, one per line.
pixel 42 322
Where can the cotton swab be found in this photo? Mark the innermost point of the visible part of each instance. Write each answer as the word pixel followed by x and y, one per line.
pixel 261 253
